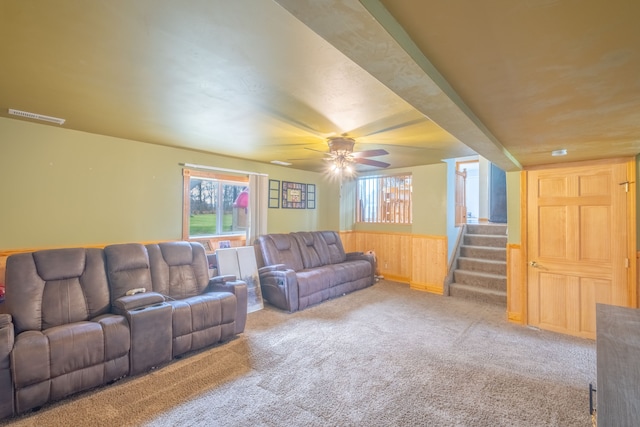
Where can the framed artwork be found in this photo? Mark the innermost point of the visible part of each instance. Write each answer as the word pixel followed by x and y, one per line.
pixel 311 196
pixel 274 193
pixel 294 195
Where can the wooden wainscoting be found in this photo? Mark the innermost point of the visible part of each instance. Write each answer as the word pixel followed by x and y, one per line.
pixel 3 263
pixel 515 285
pixel 638 279
pixel 429 263
pixel 420 261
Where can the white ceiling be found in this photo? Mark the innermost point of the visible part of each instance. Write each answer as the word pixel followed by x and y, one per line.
pixel 264 80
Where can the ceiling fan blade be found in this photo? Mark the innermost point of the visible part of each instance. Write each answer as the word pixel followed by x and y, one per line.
pixel 370 162
pixel 319 151
pixel 369 153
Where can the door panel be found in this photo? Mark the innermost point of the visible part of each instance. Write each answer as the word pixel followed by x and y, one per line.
pixel 578 242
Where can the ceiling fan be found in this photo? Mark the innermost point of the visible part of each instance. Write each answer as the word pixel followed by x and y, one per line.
pixel 343 158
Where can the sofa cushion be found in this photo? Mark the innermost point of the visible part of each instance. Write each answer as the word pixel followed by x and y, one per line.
pixel 334 246
pixel 313 249
pixel 41 294
pixel 127 268
pixel 315 280
pixel 351 271
pixel 198 321
pixel 178 269
pixel 281 249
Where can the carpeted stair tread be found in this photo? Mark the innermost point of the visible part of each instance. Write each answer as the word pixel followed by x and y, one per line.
pixel 478 294
pixel 483 252
pixel 482 265
pixel 485 240
pixel 480 279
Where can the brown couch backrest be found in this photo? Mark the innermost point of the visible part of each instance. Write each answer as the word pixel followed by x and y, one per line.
pixel 334 246
pixel 127 268
pixel 280 249
pixel 178 269
pixel 313 249
pixel 54 287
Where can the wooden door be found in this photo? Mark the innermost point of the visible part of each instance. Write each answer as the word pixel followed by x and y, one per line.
pixel 461 197
pixel 581 242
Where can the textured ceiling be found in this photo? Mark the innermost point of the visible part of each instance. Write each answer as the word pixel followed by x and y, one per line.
pixel 266 80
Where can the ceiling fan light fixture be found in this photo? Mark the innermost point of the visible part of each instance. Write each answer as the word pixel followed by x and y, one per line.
pixel 341 145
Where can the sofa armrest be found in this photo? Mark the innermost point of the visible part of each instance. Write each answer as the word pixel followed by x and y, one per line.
pixel 357 255
pixel 351 256
pixel 222 279
pixel 280 287
pixel 7 339
pixel 6 320
pixel 239 289
pixel 127 303
pixel 274 267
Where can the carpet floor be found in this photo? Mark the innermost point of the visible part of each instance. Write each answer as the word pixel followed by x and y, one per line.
pixel 382 356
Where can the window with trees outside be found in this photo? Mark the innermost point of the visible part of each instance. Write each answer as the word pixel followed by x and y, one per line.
pixel 384 199
pixel 214 204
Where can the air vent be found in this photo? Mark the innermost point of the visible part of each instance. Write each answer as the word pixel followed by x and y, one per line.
pixel 34 116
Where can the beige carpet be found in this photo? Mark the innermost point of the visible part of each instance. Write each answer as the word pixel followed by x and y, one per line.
pixel 383 356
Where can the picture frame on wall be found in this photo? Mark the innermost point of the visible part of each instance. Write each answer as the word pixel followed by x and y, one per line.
pixel 274 193
pixel 294 195
pixel 311 196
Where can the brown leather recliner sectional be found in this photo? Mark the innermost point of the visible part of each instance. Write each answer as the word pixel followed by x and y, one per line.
pixel 304 268
pixel 73 323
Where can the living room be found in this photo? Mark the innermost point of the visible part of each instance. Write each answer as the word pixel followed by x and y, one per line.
pixel 111 175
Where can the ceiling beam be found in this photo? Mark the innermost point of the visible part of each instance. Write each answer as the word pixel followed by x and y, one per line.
pixel 365 32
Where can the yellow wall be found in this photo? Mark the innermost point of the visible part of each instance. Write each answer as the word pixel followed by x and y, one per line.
pixel 429 203
pixel 64 188
pixel 416 254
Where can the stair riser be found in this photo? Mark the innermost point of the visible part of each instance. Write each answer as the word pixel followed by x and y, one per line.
pixel 496 254
pixel 498 230
pixel 482 266
pixel 471 279
pixel 484 240
pixel 477 296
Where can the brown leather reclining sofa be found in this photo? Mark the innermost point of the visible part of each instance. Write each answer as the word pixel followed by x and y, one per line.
pixel 304 268
pixel 72 322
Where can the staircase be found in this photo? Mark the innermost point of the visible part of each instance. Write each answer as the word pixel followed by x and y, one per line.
pixel 481 272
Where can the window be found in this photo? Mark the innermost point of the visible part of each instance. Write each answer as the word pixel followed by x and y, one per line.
pixel 384 199
pixel 214 204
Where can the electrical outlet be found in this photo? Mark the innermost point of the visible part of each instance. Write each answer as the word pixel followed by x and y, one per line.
pixel 386 265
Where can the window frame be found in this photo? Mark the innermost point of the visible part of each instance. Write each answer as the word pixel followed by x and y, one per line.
pixel 187 174
pixel 402 206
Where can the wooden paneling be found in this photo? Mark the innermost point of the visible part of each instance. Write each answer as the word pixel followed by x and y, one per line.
pixel 429 263
pixel 3 263
pixel 348 241
pixel 418 260
pixel 515 284
pixel 393 252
